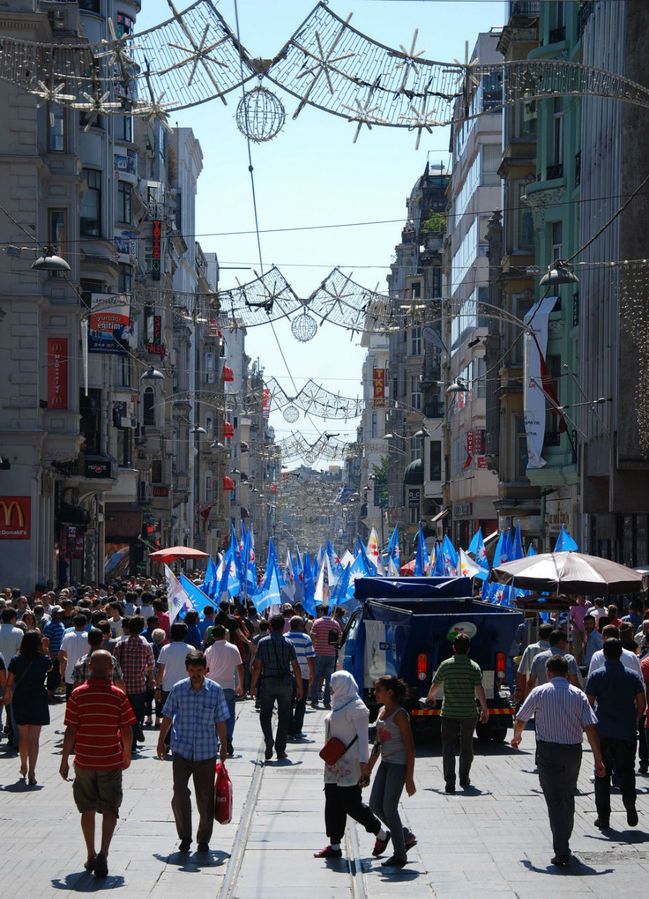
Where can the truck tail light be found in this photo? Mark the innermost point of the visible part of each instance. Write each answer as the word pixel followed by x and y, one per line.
pixel 422 666
pixel 501 667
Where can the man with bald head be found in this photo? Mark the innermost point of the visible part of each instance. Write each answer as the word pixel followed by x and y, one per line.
pixel 99 722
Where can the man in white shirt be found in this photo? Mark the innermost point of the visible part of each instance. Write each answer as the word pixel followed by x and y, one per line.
pixel 223 662
pixel 630 661
pixel 73 647
pixel 531 651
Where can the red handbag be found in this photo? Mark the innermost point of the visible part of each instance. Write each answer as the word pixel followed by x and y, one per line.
pixel 223 800
pixel 334 749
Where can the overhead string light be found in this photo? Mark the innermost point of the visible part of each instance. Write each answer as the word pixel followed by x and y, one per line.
pixel 194 57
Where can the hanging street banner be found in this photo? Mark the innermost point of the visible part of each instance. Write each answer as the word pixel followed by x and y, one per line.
pixel 379 387
pixel 534 399
pixel 57 372
pixel 110 316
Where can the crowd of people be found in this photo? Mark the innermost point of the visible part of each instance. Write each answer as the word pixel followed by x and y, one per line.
pixel 120 664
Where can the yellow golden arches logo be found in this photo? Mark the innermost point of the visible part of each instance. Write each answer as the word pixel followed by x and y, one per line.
pixel 8 508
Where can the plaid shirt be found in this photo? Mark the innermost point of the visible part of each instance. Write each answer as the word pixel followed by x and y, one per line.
pixel 276 654
pixel 135 656
pixel 81 671
pixel 194 714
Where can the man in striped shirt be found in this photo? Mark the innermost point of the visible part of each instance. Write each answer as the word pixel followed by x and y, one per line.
pixel 305 654
pixel 562 714
pixel 325 654
pixel 98 725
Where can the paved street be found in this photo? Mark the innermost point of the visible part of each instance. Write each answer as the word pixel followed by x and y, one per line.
pixel 494 840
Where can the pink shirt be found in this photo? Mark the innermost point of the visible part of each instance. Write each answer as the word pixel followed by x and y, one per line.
pixel 578 613
pixel 222 661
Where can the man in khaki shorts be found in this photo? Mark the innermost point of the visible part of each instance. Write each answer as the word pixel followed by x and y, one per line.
pixel 99 721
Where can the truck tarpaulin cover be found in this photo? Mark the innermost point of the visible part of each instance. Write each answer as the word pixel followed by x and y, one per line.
pixel 411 587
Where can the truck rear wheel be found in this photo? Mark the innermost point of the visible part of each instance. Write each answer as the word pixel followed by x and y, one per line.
pixel 485 733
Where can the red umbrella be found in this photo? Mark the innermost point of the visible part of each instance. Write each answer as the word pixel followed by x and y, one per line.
pixel 178 552
pixel 408 568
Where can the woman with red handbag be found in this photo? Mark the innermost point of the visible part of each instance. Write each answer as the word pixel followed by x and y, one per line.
pixel 346 756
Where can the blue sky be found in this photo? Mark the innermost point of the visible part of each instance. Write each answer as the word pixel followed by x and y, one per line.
pixel 313 174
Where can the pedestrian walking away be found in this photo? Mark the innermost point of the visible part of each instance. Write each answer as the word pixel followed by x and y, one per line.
pixel 26 675
pixel 462 681
pixel 98 726
pixel 395 746
pixel 196 713
pixel 325 633
pixel 305 658
pixel 135 656
pixel 562 714
pixel 618 697
pixel 274 660
pixel 348 722
pixel 225 666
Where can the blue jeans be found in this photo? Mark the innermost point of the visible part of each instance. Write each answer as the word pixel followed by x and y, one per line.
pixel 229 724
pixel 324 667
pixel 384 801
pixel 275 689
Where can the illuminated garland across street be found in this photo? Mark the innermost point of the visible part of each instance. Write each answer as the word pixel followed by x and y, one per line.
pixel 195 57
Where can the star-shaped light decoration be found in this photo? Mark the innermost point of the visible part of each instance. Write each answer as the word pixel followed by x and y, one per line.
pixel 97 104
pixel 421 119
pixel 409 60
pixel 325 62
pixel 155 110
pixel 199 53
pixel 116 53
pixel 364 114
pixel 51 94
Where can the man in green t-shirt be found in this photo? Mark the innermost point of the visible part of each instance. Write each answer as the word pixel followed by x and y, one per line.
pixel 462 681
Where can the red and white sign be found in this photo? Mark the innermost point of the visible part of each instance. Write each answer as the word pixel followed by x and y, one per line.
pixel 57 372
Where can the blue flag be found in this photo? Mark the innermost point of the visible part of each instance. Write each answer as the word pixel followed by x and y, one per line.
pixel 449 556
pixel 392 551
pixel 517 547
pixel 308 586
pixel 198 599
pixel 565 542
pixel 501 550
pixel 421 558
pixel 210 584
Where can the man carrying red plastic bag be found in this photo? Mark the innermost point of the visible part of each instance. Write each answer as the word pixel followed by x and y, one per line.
pixel 223 801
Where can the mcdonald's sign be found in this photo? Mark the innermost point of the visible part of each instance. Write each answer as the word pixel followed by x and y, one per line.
pixel 15 517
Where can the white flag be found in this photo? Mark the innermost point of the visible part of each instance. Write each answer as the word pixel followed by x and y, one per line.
pixel 176 595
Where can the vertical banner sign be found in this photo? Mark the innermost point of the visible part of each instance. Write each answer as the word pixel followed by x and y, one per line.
pixel 534 402
pixel 266 403
pixel 110 316
pixel 379 387
pixel 15 517
pixel 57 373
pixel 156 250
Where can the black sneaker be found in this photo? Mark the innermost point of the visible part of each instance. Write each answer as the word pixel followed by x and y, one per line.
pixel 450 786
pixel 394 862
pixel 229 747
pixel 203 847
pixel 184 845
pixel 561 861
pixel 101 865
pixel 268 753
pixel 631 817
pixel 602 823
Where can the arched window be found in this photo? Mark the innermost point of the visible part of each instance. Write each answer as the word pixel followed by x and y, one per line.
pixel 148 406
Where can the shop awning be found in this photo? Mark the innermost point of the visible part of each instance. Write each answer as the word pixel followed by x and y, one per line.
pixel 414 473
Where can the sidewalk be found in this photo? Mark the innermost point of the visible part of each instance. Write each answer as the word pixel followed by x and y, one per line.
pixel 493 840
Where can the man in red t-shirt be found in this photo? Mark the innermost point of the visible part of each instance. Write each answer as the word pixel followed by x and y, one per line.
pixel 325 654
pixel 98 725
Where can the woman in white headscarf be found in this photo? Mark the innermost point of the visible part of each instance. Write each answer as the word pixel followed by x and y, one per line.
pixel 348 721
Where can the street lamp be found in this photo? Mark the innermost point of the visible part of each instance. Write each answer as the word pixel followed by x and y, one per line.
pixel 50 262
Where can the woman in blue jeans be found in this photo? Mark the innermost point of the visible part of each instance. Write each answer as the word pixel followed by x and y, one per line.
pixel 396 747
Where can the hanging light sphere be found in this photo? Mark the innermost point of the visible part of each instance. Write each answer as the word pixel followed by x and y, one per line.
pixel 291 414
pixel 304 327
pixel 260 115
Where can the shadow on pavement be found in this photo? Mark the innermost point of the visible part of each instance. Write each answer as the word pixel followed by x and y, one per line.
pixel 83 882
pixel 576 868
pixel 194 861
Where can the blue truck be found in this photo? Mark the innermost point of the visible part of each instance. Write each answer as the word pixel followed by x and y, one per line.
pixel 406 627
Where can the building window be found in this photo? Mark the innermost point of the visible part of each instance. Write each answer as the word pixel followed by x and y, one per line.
pixel 156 471
pixel 148 407
pixel 124 128
pixel 55 128
pixel 557 241
pixel 125 448
pixel 524 220
pixel 124 24
pixel 414 514
pixel 90 421
pixel 555 168
pixel 415 392
pixel 124 202
pixel 374 424
pixel 90 225
pixel 125 281
pixel 437 282
pixel 435 460
pixel 552 421
pixel 521 448
pixel 90 6
pixel 56 233
pixel 415 341
pixel 123 370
